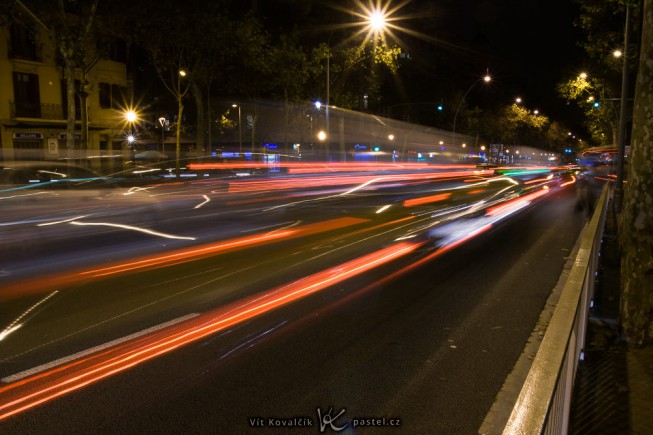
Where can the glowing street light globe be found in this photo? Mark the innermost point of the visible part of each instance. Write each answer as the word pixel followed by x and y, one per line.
pixel 377 21
pixel 131 116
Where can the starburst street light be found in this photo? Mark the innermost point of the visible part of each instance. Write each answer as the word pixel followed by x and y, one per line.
pixel 131 116
pixel 377 21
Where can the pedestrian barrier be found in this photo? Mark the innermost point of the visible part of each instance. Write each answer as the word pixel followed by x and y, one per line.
pixel 544 402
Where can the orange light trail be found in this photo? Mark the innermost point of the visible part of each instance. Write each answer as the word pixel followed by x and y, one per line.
pixel 540 180
pixel 38 389
pixel 179 256
pixel 572 181
pixel 426 199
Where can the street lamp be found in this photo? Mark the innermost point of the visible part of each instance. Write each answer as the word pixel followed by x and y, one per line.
pixel 180 112
pixel 485 79
pixel 621 139
pixel 240 130
pixel 131 116
pixel 162 122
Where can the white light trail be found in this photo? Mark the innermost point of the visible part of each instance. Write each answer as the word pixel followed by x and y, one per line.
pixel 132 228
pixel 15 325
pixel 206 200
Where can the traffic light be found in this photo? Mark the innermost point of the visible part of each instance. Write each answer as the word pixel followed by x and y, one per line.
pixel 596 104
pixel 440 108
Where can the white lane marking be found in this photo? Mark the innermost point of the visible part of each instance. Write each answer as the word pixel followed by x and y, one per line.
pixel 13 326
pixel 206 198
pixel 60 361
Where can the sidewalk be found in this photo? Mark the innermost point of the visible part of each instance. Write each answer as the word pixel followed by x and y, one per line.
pixel 613 392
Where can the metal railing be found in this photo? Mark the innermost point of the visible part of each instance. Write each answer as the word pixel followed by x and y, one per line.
pixel 544 402
pixel 36 110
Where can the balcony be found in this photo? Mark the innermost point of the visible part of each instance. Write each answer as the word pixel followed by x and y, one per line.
pixel 25 51
pixel 39 111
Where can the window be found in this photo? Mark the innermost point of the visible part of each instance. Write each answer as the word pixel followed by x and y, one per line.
pixel 23 43
pixel 26 95
pixel 117 51
pixel 112 96
pixel 118 96
pixel 105 95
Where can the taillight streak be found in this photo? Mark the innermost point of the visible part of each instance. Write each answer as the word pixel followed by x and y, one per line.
pixel 38 389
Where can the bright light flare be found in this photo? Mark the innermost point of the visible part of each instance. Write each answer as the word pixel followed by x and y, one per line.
pixel 131 116
pixel 376 21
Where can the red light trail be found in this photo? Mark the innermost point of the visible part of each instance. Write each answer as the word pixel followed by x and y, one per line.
pixel 48 385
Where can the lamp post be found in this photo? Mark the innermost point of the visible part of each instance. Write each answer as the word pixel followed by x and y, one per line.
pixel 240 130
pixel 162 123
pixel 180 112
pixel 485 79
pixel 621 140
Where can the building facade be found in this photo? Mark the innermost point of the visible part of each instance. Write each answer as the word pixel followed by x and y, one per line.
pixel 33 102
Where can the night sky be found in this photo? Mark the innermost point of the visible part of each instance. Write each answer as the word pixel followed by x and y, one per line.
pixel 528 46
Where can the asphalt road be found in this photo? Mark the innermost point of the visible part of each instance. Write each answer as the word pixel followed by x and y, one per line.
pixel 423 339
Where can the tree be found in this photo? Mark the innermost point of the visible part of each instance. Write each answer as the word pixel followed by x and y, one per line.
pixel 515 125
pixel 169 54
pixel 598 92
pixel 636 224
pixel 291 71
pixel 596 99
pixel 355 72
